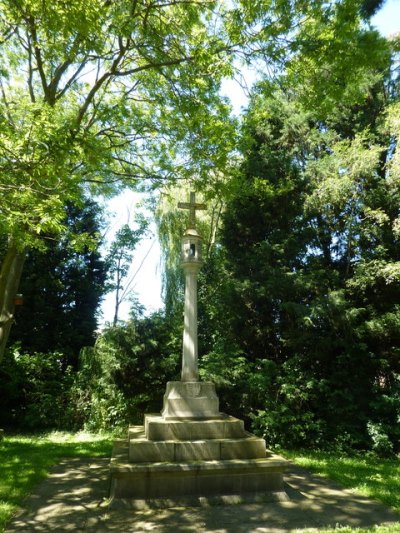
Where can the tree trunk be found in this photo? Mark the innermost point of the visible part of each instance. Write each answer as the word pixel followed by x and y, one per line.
pixel 10 275
pixel 117 292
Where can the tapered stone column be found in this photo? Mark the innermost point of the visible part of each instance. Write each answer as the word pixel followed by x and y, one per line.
pixel 191 261
pixel 190 370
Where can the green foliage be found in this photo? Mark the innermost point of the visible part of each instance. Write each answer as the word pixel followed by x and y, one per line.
pixel 26 460
pixel 62 288
pixel 381 443
pixel 229 372
pixel 370 7
pixel 336 60
pixel 98 97
pixel 299 295
pixel 112 94
pixel 118 379
pixel 35 390
pixel 304 278
pixel 124 375
pixel 392 528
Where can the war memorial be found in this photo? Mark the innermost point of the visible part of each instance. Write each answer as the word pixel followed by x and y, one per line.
pixel 191 451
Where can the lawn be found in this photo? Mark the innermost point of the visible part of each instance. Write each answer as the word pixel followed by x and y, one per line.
pixel 365 474
pixel 25 461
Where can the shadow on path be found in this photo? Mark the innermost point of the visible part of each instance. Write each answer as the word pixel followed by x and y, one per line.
pixel 74 498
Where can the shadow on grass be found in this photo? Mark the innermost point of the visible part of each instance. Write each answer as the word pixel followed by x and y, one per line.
pixel 26 460
pixel 74 498
pixel 74 495
pixel 367 474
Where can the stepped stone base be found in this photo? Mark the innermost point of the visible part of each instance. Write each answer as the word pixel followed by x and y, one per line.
pixel 225 427
pixel 141 449
pixel 192 451
pixel 162 484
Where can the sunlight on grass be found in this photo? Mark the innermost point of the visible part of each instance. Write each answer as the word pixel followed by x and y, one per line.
pixel 368 475
pixel 6 511
pixel 82 436
pixel 393 528
pixel 26 459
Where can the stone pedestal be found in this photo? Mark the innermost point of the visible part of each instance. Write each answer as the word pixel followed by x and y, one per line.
pixel 190 399
pixel 193 454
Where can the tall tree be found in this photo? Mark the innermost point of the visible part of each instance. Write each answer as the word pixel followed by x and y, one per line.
pixel 87 99
pixel 62 289
pixel 311 247
pixel 96 94
pixel 119 261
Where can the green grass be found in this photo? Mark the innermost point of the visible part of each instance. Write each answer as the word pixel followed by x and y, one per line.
pixel 393 528
pixel 368 475
pixel 26 460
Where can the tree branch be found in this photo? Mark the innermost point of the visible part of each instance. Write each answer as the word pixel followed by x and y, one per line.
pixel 38 55
pixel 71 80
pixel 98 85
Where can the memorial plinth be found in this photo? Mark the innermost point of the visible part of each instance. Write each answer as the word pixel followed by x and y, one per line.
pixel 190 400
pixel 191 452
pixel 187 462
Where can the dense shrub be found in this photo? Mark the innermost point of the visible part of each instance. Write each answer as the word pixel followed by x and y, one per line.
pixel 124 375
pixel 34 390
pixel 118 380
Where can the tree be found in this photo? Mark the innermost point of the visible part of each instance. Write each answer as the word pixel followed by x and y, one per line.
pixel 310 250
pixel 119 260
pixel 123 375
pixel 94 108
pixel 99 95
pixel 62 289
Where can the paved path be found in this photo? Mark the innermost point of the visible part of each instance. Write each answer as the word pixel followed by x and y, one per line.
pixel 73 498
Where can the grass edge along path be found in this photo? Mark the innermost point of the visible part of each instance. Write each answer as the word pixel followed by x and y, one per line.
pixel 371 476
pixel 26 460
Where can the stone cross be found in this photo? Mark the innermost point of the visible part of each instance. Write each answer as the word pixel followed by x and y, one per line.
pixel 193 207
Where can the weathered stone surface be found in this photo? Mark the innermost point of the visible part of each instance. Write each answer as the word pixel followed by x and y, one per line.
pixel 159 428
pixel 200 450
pixel 196 400
pixel 247 448
pixel 137 432
pixel 196 478
pixel 142 450
pixel 191 263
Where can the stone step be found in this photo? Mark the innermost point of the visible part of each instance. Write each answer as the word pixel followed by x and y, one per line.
pixel 227 427
pixel 142 450
pixel 202 478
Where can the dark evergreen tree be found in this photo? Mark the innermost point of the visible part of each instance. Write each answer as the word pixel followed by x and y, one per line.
pixel 311 254
pixel 62 289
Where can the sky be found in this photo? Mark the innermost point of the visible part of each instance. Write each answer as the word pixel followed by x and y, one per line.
pixel 145 272
pixel 387 20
